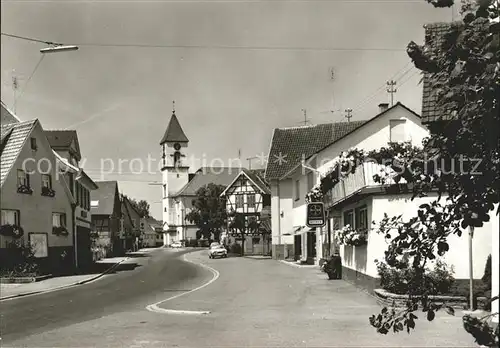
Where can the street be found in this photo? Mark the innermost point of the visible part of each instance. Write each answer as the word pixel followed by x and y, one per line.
pixel 249 303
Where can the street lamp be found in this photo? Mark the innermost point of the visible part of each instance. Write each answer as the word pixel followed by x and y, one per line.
pixel 60 48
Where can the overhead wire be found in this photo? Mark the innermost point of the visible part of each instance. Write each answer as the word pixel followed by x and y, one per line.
pixel 213 47
pixel 29 78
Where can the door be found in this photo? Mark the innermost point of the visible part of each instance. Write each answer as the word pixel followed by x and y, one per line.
pixel 84 247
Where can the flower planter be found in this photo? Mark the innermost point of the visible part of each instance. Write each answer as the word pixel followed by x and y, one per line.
pixel 11 231
pixel 387 298
pixel 24 190
pixel 48 192
pixel 60 231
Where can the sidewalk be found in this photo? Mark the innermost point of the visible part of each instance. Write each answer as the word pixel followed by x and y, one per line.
pixel 16 290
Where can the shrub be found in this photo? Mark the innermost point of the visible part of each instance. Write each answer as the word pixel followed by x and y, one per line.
pixel 487 273
pixel 20 260
pixel 235 248
pixel 439 281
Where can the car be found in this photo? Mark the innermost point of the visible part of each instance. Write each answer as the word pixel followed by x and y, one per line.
pixel 217 250
pixel 176 245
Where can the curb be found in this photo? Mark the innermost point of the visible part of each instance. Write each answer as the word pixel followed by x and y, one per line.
pixel 10 297
pixel 298 266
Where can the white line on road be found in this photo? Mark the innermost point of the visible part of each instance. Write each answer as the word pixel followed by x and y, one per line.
pixel 155 306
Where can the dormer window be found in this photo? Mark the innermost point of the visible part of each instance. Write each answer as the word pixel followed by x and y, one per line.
pixel 33 144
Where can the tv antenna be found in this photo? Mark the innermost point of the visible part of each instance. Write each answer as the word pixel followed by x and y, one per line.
pixel 306 120
pixel 348 114
pixel 391 89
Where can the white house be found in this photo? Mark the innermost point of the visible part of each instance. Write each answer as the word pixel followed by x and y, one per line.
pixel 248 194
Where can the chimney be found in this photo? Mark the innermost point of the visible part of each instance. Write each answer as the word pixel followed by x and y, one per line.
pixel 383 106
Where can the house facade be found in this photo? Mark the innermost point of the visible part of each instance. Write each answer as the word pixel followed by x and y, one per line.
pixel 35 197
pixel 248 195
pixel 106 212
pixel 289 147
pixel 67 149
pixel 152 234
pixel 183 199
pixel 130 224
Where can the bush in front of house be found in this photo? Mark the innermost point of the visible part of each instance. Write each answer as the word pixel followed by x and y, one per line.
pixel 235 248
pixel 439 281
pixel 19 261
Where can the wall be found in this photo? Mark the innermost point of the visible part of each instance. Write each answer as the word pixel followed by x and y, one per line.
pixel 494 260
pixel 374 135
pixel 36 210
pixel 281 201
pixel 458 255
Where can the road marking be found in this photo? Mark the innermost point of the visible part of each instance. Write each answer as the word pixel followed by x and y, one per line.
pixel 155 306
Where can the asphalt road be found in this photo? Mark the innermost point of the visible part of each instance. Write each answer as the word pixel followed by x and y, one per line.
pixel 251 303
pixel 136 283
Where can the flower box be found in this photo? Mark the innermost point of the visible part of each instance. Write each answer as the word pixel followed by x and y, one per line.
pixel 48 192
pixel 24 189
pixel 9 230
pixel 60 231
pixel 348 236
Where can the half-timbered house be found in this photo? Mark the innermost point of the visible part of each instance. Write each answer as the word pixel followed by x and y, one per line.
pixel 247 196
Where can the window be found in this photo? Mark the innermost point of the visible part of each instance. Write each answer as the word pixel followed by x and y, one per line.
pixel 10 217
pixel 71 182
pixel 33 144
pixel 297 190
pixel 101 225
pixel 39 243
pixel 349 218
pixel 361 219
pixel 239 201
pixel 165 210
pixel 94 204
pixel 310 181
pixel 251 201
pixel 398 133
pixel 164 191
pixel 88 199
pixel 23 178
pixel 46 181
pixel 58 220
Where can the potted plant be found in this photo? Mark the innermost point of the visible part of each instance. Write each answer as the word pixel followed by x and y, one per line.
pixel 11 230
pixel 60 231
pixel 24 189
pixel 348 236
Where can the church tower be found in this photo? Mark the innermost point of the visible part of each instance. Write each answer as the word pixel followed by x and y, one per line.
pixel 175 174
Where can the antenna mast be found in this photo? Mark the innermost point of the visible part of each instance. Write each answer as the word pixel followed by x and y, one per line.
pixel 348 114
pixel 391 88
pixel 306 120
pixel 15 87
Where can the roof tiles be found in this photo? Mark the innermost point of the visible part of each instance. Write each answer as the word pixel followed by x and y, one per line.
pixel 174 132
pixel 434 38
pixel 290 145
pixel 13 145
pixel 209 175
pixel 105 197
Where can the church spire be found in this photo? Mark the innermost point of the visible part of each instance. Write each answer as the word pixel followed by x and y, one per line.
pixel 174 132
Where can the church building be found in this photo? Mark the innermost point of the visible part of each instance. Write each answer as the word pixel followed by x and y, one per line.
pixel 179 186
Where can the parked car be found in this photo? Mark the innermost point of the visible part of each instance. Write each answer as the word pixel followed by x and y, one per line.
pixel 217 250
pixel 176 245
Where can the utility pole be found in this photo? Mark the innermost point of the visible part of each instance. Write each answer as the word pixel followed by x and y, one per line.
pixel 15 87
pixel 391 88
pixel 348 114
pixel 471 270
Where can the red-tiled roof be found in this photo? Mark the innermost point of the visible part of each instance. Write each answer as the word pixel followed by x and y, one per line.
pixel 174 132
pixel 291 145
pixel 434 38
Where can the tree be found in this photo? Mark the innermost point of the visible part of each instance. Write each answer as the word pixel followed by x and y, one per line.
pixel 142 206
pixel 464 70
pixel 209 211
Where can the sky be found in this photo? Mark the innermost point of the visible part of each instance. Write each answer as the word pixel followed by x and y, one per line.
pixel 236 70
